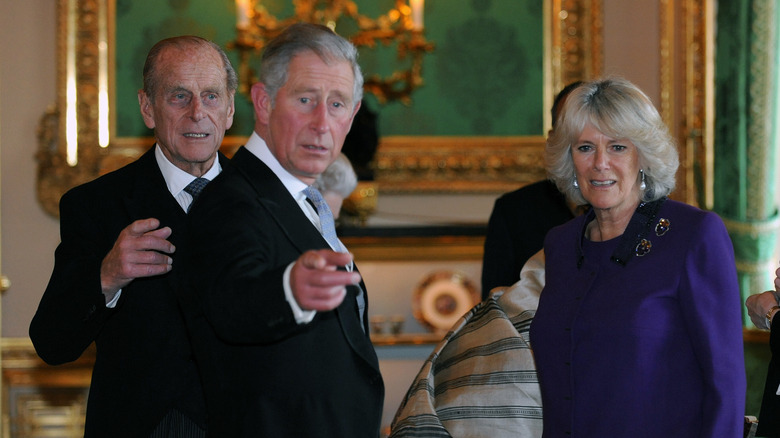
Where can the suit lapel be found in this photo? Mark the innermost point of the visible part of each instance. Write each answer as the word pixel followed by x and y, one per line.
pixel 148 195
pixel 273 196
pixel 351 324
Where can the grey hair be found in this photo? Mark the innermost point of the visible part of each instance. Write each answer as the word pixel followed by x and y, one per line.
pixel 338 178
pixel 618 109
pixel 301 37
pixel 152 78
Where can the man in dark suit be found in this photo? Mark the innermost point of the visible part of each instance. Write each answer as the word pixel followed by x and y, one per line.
pixel 520 220
pixel 278 315
pixel 763 309
pixel 516 230
pixel 111 282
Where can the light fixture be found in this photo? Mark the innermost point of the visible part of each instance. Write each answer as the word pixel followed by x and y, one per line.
pixel 402 25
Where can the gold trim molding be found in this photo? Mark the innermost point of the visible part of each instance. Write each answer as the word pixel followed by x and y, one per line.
pixel 81 33
pixel 755 336
pixel 573 51
pixel 576 29
pixel 415 248
pixel 687 44
pixel 40 399
pixel 458 164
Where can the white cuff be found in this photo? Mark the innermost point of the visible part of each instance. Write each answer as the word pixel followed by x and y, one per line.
pixel 111 304
pixel 301 316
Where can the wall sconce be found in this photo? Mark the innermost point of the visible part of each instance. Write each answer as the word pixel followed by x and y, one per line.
pixel 402 25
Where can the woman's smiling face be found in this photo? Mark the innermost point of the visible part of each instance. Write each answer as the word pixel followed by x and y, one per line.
pixel 607 170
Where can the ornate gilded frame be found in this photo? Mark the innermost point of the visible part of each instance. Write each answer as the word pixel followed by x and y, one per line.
pixel 573 50
pixel 687 93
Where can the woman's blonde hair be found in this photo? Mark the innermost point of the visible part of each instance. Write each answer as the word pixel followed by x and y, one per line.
pixel 618 109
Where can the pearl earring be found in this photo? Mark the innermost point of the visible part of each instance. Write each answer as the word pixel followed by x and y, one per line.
pixel 642 184
pixel 575 184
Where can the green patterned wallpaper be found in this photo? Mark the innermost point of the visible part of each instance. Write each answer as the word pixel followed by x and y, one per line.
pixel 485 77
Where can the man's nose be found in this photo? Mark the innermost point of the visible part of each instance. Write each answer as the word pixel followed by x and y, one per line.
pixel 319 121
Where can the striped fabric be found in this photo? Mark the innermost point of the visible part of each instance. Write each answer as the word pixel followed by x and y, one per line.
pixel 177 425
pixel 480 380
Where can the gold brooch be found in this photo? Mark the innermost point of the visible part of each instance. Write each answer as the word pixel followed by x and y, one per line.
pixel 662 227
pixel 643 247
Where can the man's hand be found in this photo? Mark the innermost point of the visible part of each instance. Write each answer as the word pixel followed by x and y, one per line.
pixel 141 250
pixel 758 305
pixel 777 284
pixel 317 284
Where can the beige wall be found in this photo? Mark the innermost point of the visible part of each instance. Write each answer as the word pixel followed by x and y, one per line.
pixel 631 43
pixel 27 87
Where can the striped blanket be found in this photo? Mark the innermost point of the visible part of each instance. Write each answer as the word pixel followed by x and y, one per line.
pixel 480 381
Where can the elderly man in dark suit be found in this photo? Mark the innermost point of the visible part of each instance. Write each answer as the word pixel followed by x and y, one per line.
pixel 112 274
pixel 276 308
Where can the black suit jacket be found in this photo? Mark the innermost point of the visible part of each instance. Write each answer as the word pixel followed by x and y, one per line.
pixel 264 374
pixel 144 363
pixel 769 417
pixel 516 231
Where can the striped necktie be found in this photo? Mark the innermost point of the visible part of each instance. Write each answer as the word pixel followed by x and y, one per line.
pixel 328 231
pixel 327 225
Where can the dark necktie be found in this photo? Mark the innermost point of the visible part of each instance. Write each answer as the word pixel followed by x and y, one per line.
pixel 194 188
pixel 328 231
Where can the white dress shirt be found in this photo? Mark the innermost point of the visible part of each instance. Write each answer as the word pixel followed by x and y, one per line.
pixel 177 179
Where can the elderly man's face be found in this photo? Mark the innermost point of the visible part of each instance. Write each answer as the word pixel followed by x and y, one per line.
pixel 306 126
pixel 192 107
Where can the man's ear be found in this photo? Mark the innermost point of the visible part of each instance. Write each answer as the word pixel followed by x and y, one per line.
pixel 261 101
pixel 355 111
pixel 147 109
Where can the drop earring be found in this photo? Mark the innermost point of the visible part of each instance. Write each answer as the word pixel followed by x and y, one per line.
pixel 642 184
pixel 575 184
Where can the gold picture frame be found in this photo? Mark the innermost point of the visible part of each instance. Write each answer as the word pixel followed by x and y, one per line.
pixel 404 164
pixel 687 101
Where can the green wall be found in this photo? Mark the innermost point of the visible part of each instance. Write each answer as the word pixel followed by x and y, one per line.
pixel 484 78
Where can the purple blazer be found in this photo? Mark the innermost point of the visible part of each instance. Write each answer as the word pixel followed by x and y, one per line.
pixel 641 346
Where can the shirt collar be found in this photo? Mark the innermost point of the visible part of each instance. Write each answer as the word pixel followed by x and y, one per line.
pixel 177 179
pixel 258 147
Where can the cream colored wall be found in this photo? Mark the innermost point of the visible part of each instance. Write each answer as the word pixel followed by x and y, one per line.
pixel 631 43
pixel 27 86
